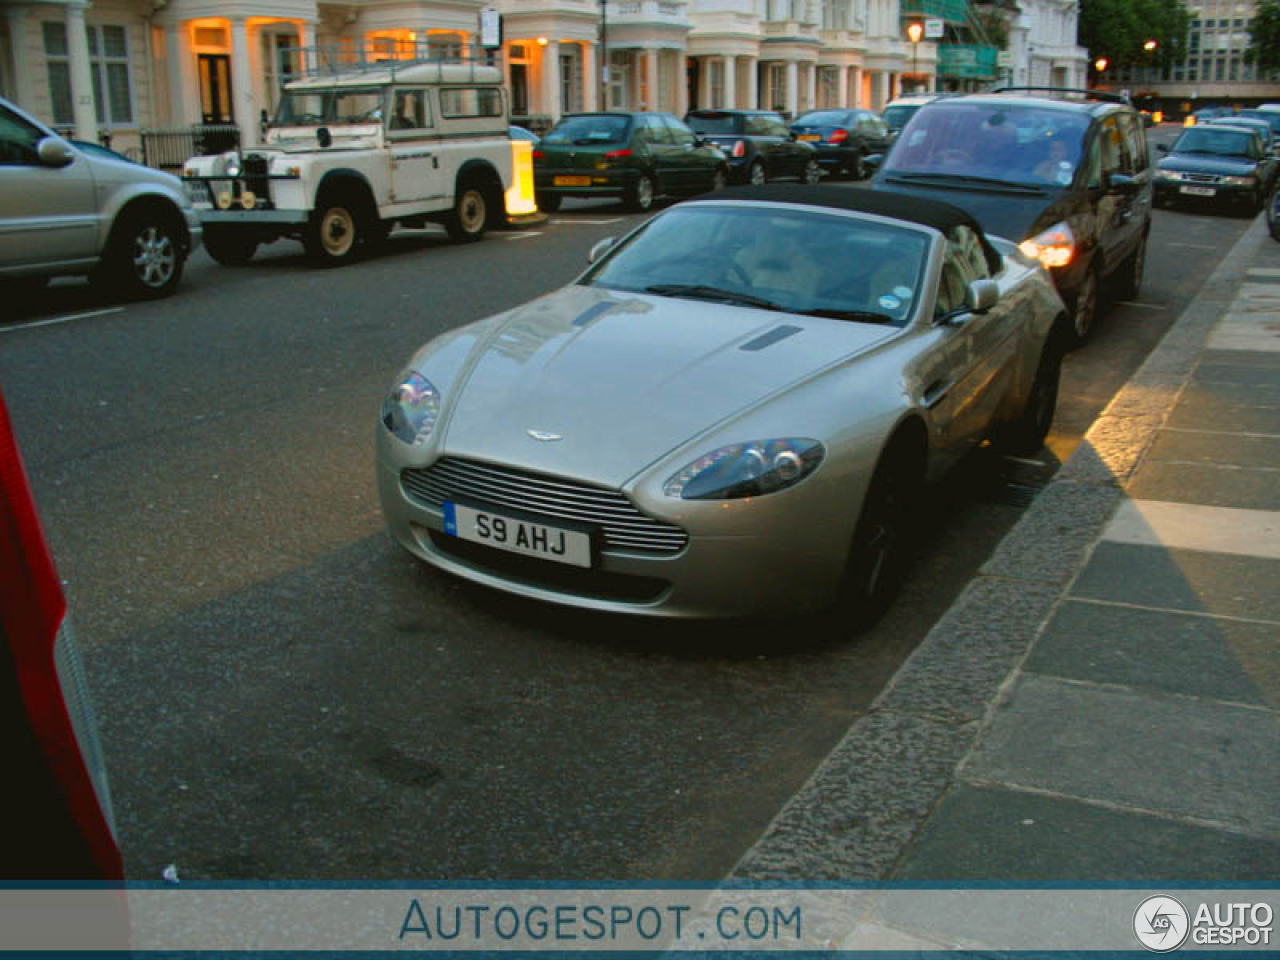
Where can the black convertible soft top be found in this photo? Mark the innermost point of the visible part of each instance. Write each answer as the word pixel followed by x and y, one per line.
pixel 881 203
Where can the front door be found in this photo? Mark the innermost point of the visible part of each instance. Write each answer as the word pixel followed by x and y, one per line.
pixel 215 87
pixel 416 172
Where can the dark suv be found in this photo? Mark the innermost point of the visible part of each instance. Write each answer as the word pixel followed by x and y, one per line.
pixel 1065 174
pixel 757 144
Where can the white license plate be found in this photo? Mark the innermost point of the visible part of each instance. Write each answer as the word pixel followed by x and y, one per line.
pixel 1198 191
pixel 198 191
pixel 518 536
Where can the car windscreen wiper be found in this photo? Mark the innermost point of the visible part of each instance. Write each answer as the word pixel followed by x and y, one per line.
pixel 696 291
pixel 859 316
pixel 914 177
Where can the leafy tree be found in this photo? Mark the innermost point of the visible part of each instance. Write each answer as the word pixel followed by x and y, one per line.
pixel 1118 30
pixel 1264 36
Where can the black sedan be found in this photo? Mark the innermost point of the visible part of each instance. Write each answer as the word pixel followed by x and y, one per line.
pixel 843 138
pixel 1213 163
pixel 635 157
pixel 757 144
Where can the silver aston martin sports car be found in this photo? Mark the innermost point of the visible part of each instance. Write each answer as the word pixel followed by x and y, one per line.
pixel 731 412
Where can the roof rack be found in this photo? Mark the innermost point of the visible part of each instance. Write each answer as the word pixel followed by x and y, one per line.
pixel 346 61
pixel 1105 96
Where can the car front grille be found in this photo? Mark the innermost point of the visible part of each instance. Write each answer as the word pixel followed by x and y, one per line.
pixel 1201 177
pixel 256 166
pixel 623 526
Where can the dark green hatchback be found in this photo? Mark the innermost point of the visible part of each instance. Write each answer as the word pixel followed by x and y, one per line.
pixel 636 157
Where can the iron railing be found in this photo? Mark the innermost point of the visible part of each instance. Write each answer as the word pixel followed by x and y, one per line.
pixel 169 147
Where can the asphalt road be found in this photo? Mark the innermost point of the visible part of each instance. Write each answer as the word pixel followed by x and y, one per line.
pixel 286 694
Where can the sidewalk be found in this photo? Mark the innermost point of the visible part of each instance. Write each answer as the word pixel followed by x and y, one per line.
pixel 1102 703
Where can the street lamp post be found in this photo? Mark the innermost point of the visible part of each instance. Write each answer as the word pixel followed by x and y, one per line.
pixel 915 30
pixel 604 54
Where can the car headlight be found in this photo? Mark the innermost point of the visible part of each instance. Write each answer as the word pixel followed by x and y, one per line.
pixel 747 469
pixel 412 409
pixel 233 165
pixel 1240 181
pixel 1168 175
pixel 1053 247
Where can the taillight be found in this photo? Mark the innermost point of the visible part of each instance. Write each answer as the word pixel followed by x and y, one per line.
pixel 618 154
pixel 838 136
pixel 539 155
pixel 740 148
pixel 49 722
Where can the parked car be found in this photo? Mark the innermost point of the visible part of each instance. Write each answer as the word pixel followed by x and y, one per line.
pixel 60 822
pixel 70 212
pixel 757 145
pixel 636 157
pixel 1065 174
pixel 98 150
pixel 1261 127
pixel 1206 115
pixel 732 412
pixel 1268 116
pixel 843 138
pixel 1216 163
pixel 899 111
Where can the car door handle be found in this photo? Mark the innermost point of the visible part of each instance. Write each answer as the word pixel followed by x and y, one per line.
pixel 936 392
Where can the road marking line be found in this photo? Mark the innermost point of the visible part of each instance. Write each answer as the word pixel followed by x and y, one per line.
pixel 52 320
pixel 1263 272
pixel 1144 306
pixel 525 236
pixel 594 222
pixel 1191 526
pixel 1204 614
pixel 1193 246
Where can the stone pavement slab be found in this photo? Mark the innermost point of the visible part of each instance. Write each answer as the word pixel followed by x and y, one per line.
pixel 1159 650
pixel 1193 446
pixel 1181 757
pixel 981 832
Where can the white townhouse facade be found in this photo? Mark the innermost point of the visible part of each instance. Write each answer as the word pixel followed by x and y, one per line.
pixel 111 68
pixel 1042 45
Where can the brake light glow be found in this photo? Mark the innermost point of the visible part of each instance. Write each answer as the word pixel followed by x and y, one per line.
pixel 539 155
pixel 739 148
pixel 839 136
pixel 618 154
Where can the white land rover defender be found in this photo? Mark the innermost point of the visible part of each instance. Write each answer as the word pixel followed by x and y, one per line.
pixel 350 153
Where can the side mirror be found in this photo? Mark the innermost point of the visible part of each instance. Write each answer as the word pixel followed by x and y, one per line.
pixel 54 152
pixel 1121 183
pixel 600 248
pixel 979 297
pixel 872 161
pixel 1162 147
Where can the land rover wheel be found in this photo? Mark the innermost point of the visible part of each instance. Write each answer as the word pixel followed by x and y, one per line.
pixel 470 214
pixel 332 237
pixel 228 246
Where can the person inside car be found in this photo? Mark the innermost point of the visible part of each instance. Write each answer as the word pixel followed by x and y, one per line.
pixel 1057 166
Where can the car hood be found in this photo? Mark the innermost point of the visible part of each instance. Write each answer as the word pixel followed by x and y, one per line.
pixel 1199 163
pixel 1012 214
pixel 621 379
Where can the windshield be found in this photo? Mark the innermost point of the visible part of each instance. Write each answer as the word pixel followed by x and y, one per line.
pixel 1220 142
pixel 1270 119
pixel 792 260
pixel 602 128
pixel 897 117
pixel 993 141
pixel 713 123
pixel 317 107
pixel 825 118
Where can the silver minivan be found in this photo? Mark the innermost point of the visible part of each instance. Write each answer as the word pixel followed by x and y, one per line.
pixel 66 211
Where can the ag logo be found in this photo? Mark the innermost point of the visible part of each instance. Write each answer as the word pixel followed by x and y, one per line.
pixel 1161 923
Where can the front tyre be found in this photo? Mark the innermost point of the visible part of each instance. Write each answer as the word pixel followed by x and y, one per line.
pixel 882 543
pixel 757 176
pixel 548 202
pixel 229 247
pixel 470 215
pixel 144 258
pixel 812 172
pixel 333 234
pixel 1084 310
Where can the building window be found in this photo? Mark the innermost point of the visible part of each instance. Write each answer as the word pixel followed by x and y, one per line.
pixel 835 15
pixel 108 70
pixel 715 83
pixel 778 87
pixel 828 87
